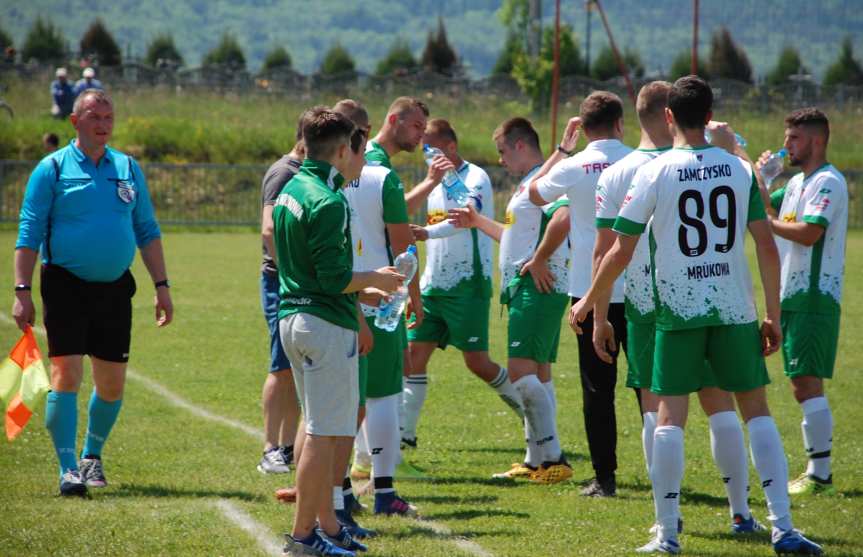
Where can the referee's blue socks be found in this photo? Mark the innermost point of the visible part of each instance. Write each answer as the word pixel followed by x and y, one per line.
pixel 103 414
pixel 61 419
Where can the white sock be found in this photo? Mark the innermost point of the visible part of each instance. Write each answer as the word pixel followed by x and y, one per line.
pixel 729 453
pixel 414 392
pixel 768 456
pixel 507 393
pixel 362 455
pixel 552 396
pixel 382 428
pixel 532 456
pixel 666 476
pixel 817 429
pixel 338 498
pixel 540 415
pixel 648 427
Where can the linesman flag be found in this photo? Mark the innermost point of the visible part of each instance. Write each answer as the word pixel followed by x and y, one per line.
pixel 23 383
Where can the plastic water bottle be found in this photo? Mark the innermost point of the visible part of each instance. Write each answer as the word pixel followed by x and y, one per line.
pixel 737 137
pixel 773 167
pixel 453 185
pixel 390 311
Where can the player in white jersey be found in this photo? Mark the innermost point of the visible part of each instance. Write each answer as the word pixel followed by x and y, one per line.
pixel 811 221
pixel 379 230
pixel 531 239
pixel 455 286
pixel 726 434
pixel 601 119
pixel 702 200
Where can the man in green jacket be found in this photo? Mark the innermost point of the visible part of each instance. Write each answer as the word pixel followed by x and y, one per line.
pixel 318 318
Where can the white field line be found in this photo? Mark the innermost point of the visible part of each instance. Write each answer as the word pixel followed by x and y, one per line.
pixel 260 533
pixel 441 530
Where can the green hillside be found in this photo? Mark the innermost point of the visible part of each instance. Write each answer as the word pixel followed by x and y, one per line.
pixel 659 30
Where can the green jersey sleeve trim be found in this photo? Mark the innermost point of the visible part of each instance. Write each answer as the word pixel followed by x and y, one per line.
pixel 605 223
pixel 776 198
pixel 624 226
pixel 563 202
pixel 393 199
pixel 813 219
pixel 756 204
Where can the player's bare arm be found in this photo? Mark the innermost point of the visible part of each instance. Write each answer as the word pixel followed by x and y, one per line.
pixel 555 233
pixel 603 333
pixel 613 264
pixel 23 310
pixel 418 194
pixel 567 146
pixel 768 266
pixel 467 217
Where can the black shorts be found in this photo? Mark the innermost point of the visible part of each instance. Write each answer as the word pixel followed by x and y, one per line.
pixel 81 317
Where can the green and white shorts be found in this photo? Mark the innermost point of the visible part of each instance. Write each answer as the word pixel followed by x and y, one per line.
pixel 809 343
pixel 533 330
pixel 457 320
pixel 640 348
pixel 732 352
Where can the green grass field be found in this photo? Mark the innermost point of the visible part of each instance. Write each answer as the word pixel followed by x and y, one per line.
pixel 173 474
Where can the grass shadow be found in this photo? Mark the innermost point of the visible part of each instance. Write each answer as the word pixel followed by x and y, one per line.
pixel 156 490
pixel 455 499
pixel 429 532
pixel 477 480
pixel 476 513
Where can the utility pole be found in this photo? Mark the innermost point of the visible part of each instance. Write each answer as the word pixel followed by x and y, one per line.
pixel 693 67
pixel 588 7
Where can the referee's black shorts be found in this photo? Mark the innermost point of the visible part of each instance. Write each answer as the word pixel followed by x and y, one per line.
pixel 82 317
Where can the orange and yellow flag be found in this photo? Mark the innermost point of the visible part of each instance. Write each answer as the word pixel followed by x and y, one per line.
pixel 23 383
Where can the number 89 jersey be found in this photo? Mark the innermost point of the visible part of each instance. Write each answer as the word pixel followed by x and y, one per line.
pixel 701 200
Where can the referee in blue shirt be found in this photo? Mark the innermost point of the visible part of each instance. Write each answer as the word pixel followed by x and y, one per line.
pixel 87 208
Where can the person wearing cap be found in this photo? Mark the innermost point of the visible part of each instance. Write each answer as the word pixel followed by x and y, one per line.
pixel 88 81
pixel 62 94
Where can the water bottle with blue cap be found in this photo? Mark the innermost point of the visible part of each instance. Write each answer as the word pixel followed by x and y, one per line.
pixel 453 185
pixel 773 166
pixel 390 309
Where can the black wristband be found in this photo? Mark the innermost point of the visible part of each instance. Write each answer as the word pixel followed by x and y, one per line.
pixel 164 283
pixel 23 287
pixel 564 151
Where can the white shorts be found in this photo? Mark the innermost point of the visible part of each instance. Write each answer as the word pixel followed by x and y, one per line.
pixel 325 364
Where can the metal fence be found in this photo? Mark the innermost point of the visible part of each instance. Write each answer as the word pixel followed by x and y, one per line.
pixel 135 75
pixel 230 194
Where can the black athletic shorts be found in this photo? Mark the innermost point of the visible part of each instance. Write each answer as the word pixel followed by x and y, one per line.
pixel 81 317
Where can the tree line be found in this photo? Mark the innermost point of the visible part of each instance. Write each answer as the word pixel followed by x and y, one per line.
pixel 726 59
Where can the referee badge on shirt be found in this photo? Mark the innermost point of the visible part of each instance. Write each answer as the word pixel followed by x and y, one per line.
pixel 125 191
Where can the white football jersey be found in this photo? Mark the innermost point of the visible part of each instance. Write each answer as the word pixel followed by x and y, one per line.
pixel 452 253
pixel 521 236
pixel 614 183
pixel 812 276
pixel 701 200
pixel 576 177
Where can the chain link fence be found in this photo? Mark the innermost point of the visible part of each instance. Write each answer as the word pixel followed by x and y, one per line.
pixel 230 195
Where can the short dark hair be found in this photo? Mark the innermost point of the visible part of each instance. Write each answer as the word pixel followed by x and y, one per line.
pixel 652 100
pixel 810 118
pixel 324 130
pixel 353 110
pixel 51 139
pixel 690 100
pixel 441 128
pixel 516 129
pixel 600 110
pixel 405 104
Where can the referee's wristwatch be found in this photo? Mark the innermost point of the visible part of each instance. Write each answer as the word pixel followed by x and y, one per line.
pixel 23 287
pixel 164 283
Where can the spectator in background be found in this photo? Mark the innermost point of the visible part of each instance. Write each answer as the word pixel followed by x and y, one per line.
pixel 50 142
pixel 87 81
pixel 62 95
